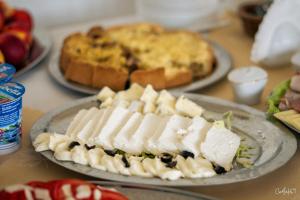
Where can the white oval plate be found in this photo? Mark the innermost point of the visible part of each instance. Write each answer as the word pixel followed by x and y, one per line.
pixel 274 145
pixel 44 42
pixel 223 65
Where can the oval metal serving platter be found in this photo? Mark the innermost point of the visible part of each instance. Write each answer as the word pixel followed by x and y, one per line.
pixel 223 65
pixel 137 192
pixel 273 144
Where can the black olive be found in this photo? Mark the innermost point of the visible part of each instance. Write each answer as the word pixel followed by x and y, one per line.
pixel 171 164
pixel 73 144
pixel 187 154
pixel 166 158
pixel 125 161
pixel 110 152
pixel 219 170
pixel 89 147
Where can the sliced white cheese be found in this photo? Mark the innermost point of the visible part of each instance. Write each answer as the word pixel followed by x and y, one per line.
pixel 107 103
pixel 200 168
pixel 168 140
pixel 94 158
pixel 144 131
pixel 220 146
pixel 89 128
pixel 194 136
pixel 183 166
pixel 105 113
pixel 115 122
pixel 136 167
pixel 165 97
pixel 195 167
pixel 108 162
pixel 133 93
pixel 187 107
pixel 41 142
pixel 149 165
pixel 149 107
pixel 56 139
pixel 149 95
pixel 75 121
pixel 105 93
pixel 120 165
pixel 79 155
pixel 151 145
pixel 121 103
pixel 61 151
pixel 122 138
pixel 136 106
pixel 81 123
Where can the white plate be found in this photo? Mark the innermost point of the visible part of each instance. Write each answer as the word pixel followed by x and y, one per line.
pixel 273 145
pixel 223 65
pixel 42 38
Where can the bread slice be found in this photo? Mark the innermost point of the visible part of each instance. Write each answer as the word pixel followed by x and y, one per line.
pixel 142 53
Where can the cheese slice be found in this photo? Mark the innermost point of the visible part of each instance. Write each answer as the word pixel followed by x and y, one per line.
pixel 75 121
pixel 166 103
pixel 136 106
pixel 99 125
pixel 81 123
pixel 187 107
pixel 121 103
pixel 149 95
pixel 88 129
pixel 151 145
pixel 105 93
pixel 115 122
pixel 220 146
pixel 144 131
pixel 168 140
pixel 195 135
pixel 122 138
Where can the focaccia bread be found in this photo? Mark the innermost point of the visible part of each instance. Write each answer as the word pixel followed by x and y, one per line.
pixel 138 53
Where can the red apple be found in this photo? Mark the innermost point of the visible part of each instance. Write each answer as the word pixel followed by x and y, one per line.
pixel 13 49
pixel 22 16
pixel 2 20
pixel 16 26
pixel 22 34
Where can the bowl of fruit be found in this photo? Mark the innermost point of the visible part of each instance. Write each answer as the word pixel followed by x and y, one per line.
pixel 20 44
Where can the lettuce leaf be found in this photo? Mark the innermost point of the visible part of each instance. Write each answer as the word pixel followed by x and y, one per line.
pixel 275 97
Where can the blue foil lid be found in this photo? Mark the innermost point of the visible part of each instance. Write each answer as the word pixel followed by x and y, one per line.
pixel 12 90
pixel 7 72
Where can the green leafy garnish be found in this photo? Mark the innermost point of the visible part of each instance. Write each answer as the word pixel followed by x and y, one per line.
pixel 275 97
pixel 227 117
pixel 243 157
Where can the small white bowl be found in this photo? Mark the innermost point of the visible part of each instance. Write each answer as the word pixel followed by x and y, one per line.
pixel 248 84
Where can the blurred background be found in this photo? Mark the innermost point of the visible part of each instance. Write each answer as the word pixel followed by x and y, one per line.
pixel 59 12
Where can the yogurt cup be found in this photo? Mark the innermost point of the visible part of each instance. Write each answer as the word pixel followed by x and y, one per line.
pixel 248 84
pixel 10 110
